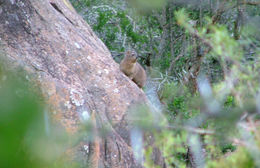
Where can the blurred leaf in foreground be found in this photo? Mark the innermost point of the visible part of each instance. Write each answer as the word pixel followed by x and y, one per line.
pixel 24 139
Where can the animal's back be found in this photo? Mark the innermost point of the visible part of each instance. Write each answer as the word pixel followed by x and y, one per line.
pixel 140 75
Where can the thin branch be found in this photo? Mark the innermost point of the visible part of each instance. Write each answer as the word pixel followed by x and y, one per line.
pixel 222 9
pixel 194 130
pixel 254 3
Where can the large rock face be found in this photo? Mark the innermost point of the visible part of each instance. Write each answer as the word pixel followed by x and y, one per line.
pixel 74 69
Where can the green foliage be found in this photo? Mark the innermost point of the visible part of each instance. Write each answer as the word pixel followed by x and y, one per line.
pixel 173 147
pixel 228 148
pixel 232 98
pixel 229 102
pixel 103 18
pixel 240 159
pixel 18 110
pixel 178 100
pixel 148 5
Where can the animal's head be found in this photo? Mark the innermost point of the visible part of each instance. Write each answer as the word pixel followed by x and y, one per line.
pixel 131 55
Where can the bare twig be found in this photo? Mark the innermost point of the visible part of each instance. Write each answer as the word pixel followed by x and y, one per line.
pixel 253 3
pixel 193 130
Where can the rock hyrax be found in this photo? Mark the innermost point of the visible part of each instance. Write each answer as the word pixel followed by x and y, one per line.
pixel 131 68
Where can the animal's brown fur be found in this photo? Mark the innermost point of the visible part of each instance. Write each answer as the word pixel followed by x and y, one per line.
pixel 131 68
